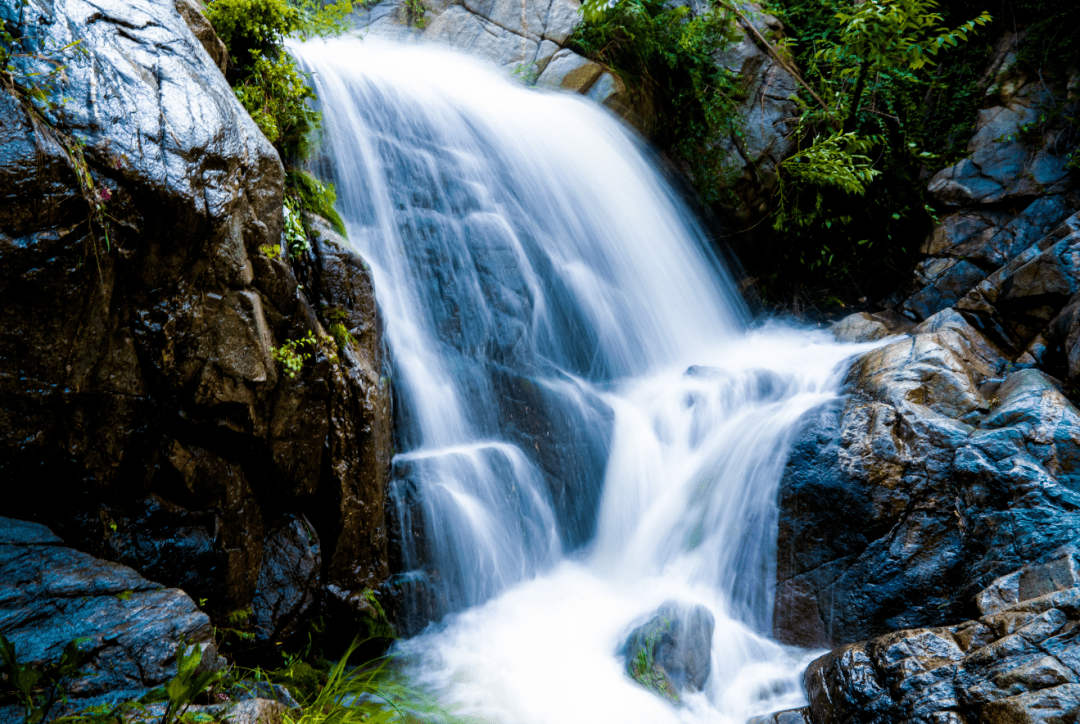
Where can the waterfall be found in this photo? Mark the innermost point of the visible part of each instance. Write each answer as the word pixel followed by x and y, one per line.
pixel 587 424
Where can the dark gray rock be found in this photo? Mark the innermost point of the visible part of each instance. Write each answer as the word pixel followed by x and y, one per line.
pixel 1017 663
pixel 288 580
pixel 671 652
pixel 51 595
pixel 940 472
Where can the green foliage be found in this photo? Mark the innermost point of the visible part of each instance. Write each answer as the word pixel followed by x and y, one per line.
pixel 38 688
pixel 872 64
pixel 341 336
pixel 296 237
pixel 290 356
pixel 665 57
pixel 373 694
pixel 315 196
pixel 264 76
pixel 182 689
pixel 414 13
pixel 272 251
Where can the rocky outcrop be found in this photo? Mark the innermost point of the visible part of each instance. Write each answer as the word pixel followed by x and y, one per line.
pixel 945 467
pixel 670 652
pixel 1018 662
pixel 144 415
pixel 1012 189
pixel 130 627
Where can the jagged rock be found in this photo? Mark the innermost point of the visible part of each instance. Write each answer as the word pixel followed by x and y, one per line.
pixel 51 595
pixel 288 579
pixel 139 385
pixel 1017 663
pixel 941 471
pixel 1012 191
pixel 670 653
pixel 1004 166
pixel 1020 299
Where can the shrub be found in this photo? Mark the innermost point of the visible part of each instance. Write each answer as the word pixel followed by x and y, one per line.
pixel 666 57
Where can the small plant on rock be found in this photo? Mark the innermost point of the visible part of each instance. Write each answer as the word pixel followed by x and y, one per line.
pixel 290 356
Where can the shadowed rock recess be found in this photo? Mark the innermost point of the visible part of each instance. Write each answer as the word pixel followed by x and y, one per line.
pixel 142 415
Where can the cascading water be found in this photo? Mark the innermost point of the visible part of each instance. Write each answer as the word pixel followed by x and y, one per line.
pixel 586 428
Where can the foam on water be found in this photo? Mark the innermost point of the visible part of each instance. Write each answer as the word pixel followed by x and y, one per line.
pixel 587 427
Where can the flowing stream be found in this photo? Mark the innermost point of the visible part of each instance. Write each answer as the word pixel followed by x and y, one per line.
pixel 587 423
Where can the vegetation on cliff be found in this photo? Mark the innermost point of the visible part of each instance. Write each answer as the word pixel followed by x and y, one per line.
pixel 665 54
pixel 892 73
pixel 276 93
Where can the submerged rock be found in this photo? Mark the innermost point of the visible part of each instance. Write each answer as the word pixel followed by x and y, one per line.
pixel 671 652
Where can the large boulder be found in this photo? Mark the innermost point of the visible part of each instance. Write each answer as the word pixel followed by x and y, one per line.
pixel 1018 662
pixel 130 627
pixel 944 467
pixel 139 389
pixel 671 652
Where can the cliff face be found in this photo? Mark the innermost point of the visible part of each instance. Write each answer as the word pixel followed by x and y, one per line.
pixel 142 413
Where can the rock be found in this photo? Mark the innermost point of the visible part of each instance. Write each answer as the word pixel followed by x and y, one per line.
pixel 1010 193
pixel 254 711
pixel 671 652
pixel 204 32
pixel 51 594
pixel 465 30
pixel 767 118
pixel 569 71
pixel 865 327
pixel 1018 301
pixel 288 579
pixel 790 716
pixel 940 472
pixel 263 690
pixel 139 385
pixel 1003 166
pixel 1015 664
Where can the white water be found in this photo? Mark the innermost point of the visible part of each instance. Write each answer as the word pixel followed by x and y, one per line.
pixel 587 428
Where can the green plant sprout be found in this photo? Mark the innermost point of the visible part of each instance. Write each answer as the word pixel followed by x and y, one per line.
pixel 290 357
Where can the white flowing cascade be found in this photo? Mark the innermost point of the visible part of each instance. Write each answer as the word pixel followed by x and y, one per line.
pixel 523 240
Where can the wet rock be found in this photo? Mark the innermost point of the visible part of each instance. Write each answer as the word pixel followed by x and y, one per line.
pixel 940 472
pixel 204 32
pixel 138 383
pixel 288 579
pixel 51 594
pixel 671 652
pixel 1011 191
pixel 463 29
pixel 790 716
pixel 767 117
pixel 1018 667
pixel 866 327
